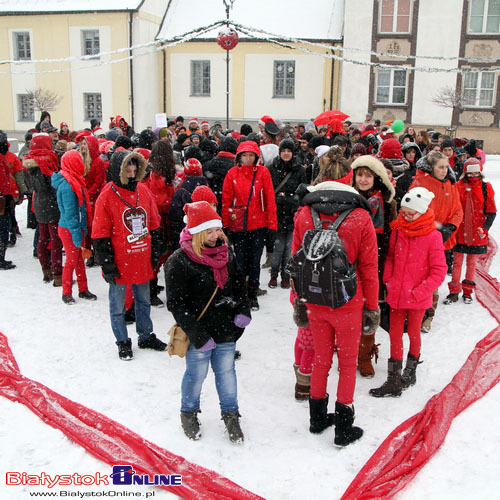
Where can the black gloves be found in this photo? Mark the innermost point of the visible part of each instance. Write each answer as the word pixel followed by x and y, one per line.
pixel 156 247
pixel 447 230
pixel 110 276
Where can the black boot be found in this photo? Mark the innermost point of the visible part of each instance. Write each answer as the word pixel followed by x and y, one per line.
pixel 345 433
pixel 5 264
pixel 319 417
pixel 392 386
pixel 125 350
pixel 232 422
pixel 409 376
pixel 153 294
pixel 152 342
pixel 191 424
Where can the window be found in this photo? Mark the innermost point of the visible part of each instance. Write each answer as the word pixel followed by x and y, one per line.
pixel 22 46
pixel 395 16
pixel 391 86
pixel 25 108
pixel 484 16
pixel 93 106
pixel 479 89
pixel 200 78
pixel 284 79
pixel 90 42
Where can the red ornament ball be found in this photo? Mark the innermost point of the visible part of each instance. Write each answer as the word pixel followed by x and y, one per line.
pixel 228 39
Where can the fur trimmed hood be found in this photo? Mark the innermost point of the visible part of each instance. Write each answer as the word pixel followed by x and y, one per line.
pixel 379 170
pixel 118 163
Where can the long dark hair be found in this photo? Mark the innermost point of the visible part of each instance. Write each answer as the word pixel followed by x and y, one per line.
pixel 162 160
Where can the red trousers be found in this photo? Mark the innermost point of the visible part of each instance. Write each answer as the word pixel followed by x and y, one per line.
pixel 398 316
pixel 48 235
pixel 331 328
pixel 470 272
pixel 74 262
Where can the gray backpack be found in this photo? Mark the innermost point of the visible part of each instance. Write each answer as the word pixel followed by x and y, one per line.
pixel 320 270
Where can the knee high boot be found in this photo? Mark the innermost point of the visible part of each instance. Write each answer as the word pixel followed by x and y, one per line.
pixel 367 350
pixel 393 385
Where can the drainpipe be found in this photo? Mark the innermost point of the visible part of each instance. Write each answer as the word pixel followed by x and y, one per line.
pixel 332 80
pixel 131 69
pixel 164 80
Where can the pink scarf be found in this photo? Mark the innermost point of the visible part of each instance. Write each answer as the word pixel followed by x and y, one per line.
pixel 214 257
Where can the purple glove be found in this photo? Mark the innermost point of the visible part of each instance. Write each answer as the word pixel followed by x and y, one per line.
pixel 242 321
pixel 208 346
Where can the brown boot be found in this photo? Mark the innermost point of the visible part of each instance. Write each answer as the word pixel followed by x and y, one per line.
pixel 47 275
pixel 57 280
pixel 303 385
pixel 367 350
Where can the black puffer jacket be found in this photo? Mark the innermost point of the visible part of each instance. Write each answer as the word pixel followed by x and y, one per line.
pixel 189 286
pixel 287 202
pixel 45 198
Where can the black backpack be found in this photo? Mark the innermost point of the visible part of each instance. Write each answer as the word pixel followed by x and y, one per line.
pixel 320 270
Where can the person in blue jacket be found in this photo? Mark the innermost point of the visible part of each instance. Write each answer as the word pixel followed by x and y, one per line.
pixel 75 210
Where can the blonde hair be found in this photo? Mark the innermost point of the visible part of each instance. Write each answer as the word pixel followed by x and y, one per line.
pixel 434 156
pixel 332 165
pixel 199 241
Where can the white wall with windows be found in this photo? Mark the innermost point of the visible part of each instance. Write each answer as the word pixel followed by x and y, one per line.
pixel 435 38
pixel 88 80
pixel 355 81
pixel 263 79
pixel 183 102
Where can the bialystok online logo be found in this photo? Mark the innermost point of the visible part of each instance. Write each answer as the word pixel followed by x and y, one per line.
pixel 121 475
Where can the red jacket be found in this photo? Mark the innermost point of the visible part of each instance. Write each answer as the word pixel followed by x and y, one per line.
pixel 446 202
pixel 4 177
pixel 414 268
pixel 15 166
pixel 96 176
pixel 360 243
pixel 111 220
pixel 236 190
pixel 162 192
pixel 474 217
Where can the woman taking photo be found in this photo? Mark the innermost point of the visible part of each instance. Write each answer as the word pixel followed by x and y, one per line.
pixel 248 211
pixel 202 275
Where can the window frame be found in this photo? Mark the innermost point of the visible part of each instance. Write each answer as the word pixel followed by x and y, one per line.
pixel 395 19
pixel 199 81
pixel 287 63
pixel 86 111
pixel 484 23
pixel 84 33
pixel 391 87
pixel 20 117
pixel 25 34
pixel 478 89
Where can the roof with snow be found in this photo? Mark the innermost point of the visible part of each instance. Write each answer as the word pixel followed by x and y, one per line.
pixel 45 6
pixel 320 20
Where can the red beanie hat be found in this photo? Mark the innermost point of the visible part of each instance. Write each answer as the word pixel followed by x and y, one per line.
pixel 472 165
pixel 390 148
pixel 201 216
pixel 143 151
pixel 204 193
pixel 81 135
pixel 192 167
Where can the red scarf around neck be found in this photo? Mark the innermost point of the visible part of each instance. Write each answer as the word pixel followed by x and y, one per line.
pixel 423 225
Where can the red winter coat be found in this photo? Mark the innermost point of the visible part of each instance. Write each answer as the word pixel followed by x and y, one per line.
pixel 360 243
pixel 236 190
pixel 132 258
pixel 96 176
pixel 15 166
pixel 475 216
pixel 414 268
pixel 446 202
pixel 4 177
pixel 162 192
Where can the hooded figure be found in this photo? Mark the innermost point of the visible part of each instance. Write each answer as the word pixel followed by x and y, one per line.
pixel 412 154
pixel 127 240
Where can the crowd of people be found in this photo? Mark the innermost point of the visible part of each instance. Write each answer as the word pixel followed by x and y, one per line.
pixel 203 203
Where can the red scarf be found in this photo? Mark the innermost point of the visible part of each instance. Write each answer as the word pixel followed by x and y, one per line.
pixel 423 225
pixel 45 159
pixel 214 257
pixel 470 184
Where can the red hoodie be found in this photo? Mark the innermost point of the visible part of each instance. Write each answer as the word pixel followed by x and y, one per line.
pixel 96 176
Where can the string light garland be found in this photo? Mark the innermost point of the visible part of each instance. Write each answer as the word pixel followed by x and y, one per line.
pixel 259 34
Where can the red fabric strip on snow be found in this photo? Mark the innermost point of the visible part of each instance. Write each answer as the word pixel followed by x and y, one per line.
pixel 110 441
pixel 413 443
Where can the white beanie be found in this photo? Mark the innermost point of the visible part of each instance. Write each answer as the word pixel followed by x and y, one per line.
pixel 417 199
pixel 321 150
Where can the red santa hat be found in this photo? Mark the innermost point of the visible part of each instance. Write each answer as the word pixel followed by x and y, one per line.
pixel 201 216
pixel 265 119
pixel 192 167
pixel 204 122
pixel 204 193
pixel 193 120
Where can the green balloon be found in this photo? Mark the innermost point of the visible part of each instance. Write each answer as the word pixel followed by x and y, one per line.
pixel 397 126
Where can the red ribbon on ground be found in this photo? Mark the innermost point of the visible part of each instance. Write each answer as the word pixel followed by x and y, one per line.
pixel 110 441
pixel 413 443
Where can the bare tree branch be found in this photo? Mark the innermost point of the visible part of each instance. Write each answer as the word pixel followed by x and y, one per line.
pixel 449 97
pixel 43 99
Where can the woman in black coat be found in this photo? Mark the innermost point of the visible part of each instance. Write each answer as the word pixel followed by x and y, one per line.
pixel 204 271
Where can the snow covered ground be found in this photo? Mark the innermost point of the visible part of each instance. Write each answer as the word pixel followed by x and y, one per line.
pixel 71 350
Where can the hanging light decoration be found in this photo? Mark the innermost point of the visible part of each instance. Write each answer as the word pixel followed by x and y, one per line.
pixel 228 38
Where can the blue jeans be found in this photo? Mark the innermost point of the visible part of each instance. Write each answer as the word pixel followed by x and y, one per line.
pixel 143 323
pixel 281 254
pixel 222 359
